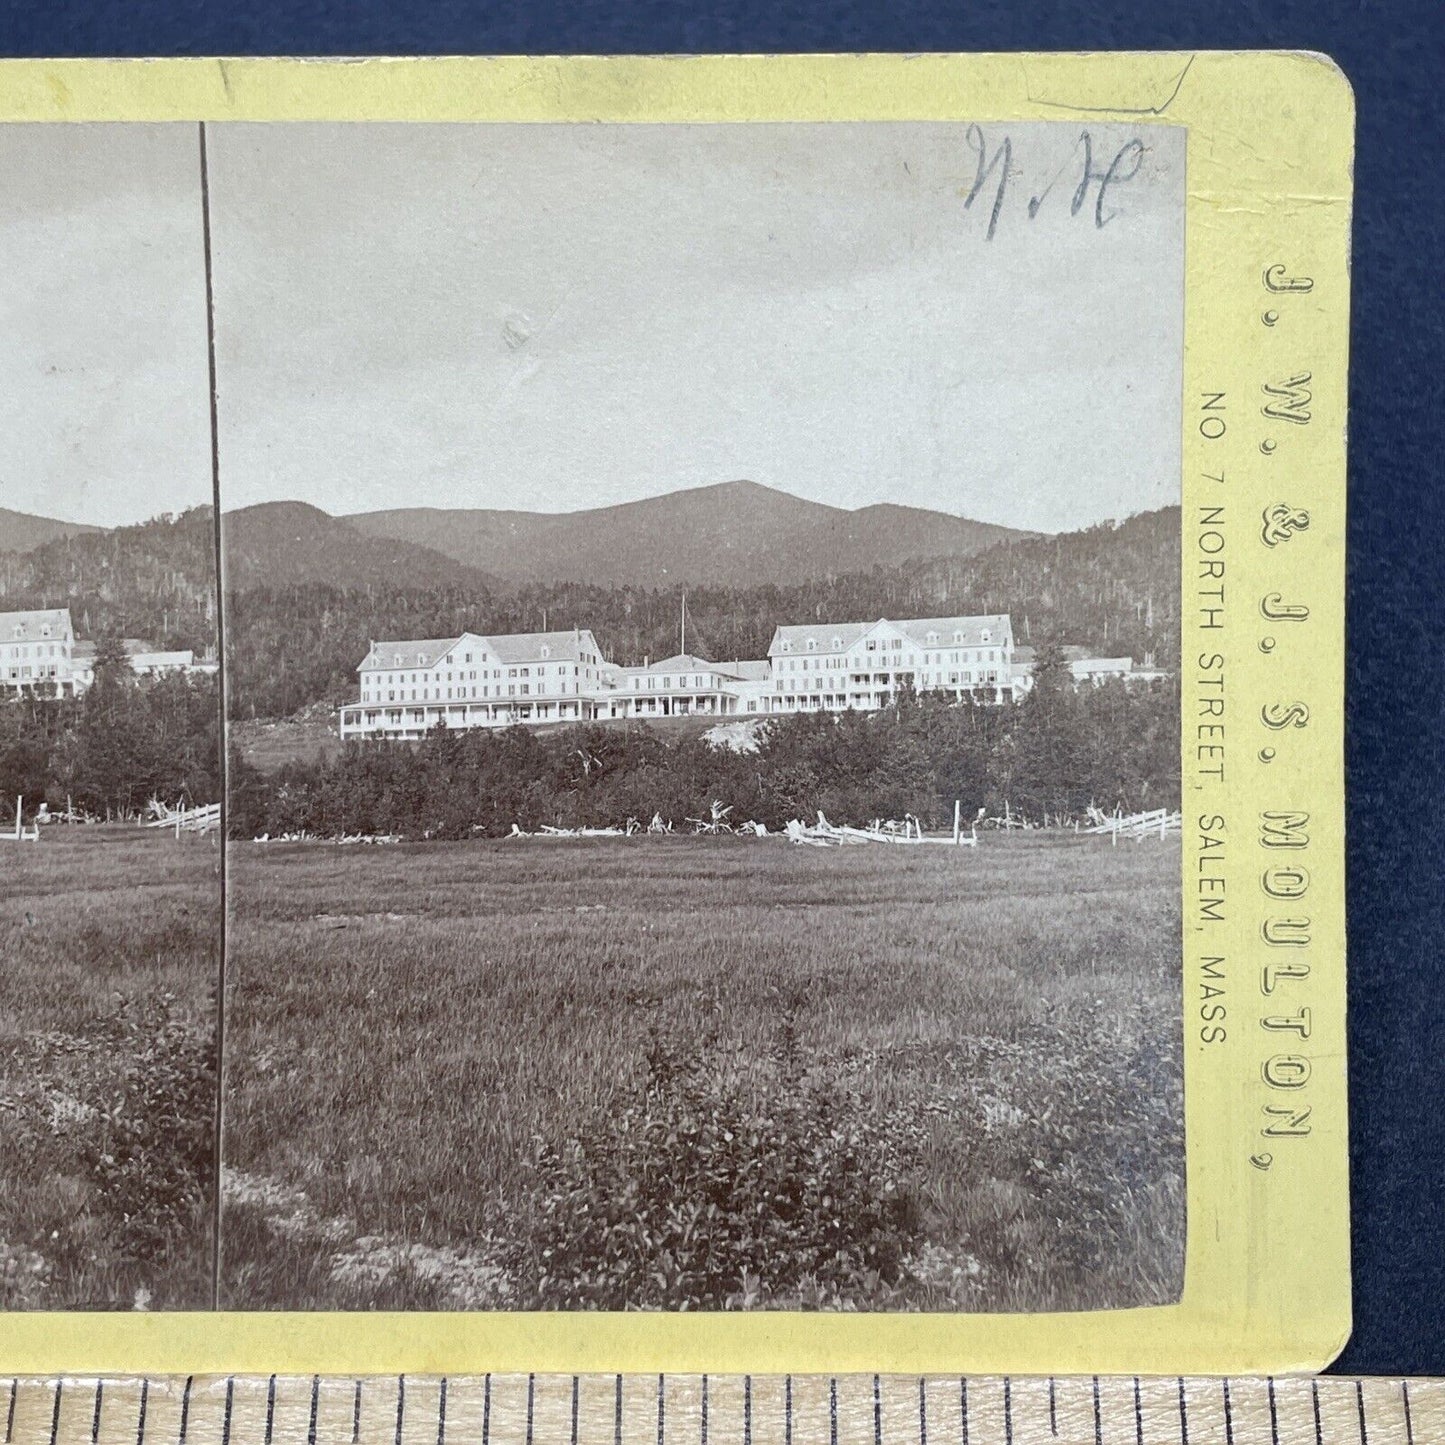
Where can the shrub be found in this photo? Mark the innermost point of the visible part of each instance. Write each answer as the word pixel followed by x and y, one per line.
pixel 722 1187
pixel 130 1109
pixel 151 1150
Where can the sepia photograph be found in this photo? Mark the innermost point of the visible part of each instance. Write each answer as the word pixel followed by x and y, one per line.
pixel 702 776
pixel 589 717
pixel 110 725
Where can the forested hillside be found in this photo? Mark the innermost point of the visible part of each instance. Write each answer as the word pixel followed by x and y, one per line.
pixel 1113 589
pixel 155 580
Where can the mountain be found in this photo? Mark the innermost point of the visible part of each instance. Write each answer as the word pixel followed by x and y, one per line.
pixel 732 534
pixel 20 532
pixel 276 543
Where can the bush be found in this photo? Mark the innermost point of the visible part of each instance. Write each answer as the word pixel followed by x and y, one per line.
pixel 722 1188
pixel 150 1151
pixel 129 1109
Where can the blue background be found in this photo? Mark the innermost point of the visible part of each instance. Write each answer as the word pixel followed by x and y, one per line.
pixel 1393 54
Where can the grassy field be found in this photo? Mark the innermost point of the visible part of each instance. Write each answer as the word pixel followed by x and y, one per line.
pixel 272 744
pixel 109 942
pixel 683 1070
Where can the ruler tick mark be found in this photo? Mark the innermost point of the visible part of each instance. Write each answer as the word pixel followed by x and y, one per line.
pixel 661 1406
pixel 1405 1401
pixel 1008 1411
pixel 55 1415
pixel 1360 1406
pixel 747 1410
pixel 788 1411
pixel 10 1413
pixel 1228 1415
pixel 270 1407
pixel 963 1406
pixel 922 1413
pixel 95 1414
pixel 356 1414
pixel 617 1413
pixel 877 1412
pixel 531 1407
pixel 704 1410
pixel 1098 1416
pixel 226 1419
pixel 400 1405
pixel 576 1386
pixel 1183 1414
pixel 1138 1415
pixel 1315 1396
pixel 140 1419
pixel 832 1410
pixel 1053 1410
pixel 442 1413
pixel 315 1404
pixel 1273 1414
pixel 487 1407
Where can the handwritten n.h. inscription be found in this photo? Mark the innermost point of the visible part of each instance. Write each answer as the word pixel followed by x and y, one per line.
pixel 993 166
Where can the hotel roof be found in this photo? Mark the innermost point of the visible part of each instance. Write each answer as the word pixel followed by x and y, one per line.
pixel 511 647
pixel 30 623
pixel 921 631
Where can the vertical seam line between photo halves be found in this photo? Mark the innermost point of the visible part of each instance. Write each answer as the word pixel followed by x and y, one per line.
pixel 223 739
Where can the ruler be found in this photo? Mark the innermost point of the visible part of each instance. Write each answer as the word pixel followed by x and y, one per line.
pixel 516 1409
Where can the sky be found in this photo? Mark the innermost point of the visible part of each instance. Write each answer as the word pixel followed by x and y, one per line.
pixel 549 317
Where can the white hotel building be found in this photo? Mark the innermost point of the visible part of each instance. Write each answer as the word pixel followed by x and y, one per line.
pixel 407 688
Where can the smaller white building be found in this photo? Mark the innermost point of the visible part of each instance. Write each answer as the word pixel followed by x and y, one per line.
pixel 145 661
pixel 1083 668
pixel 682 685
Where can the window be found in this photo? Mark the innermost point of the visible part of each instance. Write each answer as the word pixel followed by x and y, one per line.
pixel 812 643
pixel 987 635
pixel 546 651
pixel 958 637
pixel 787 646
pixel 932 638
